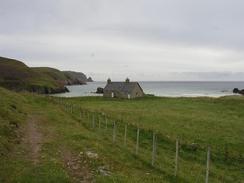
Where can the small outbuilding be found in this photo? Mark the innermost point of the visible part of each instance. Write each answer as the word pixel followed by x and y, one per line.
pixel 125 89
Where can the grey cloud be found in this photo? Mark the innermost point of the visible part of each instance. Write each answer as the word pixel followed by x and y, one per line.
pixel 163 36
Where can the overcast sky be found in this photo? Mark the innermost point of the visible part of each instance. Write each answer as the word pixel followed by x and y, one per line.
pixel 140 39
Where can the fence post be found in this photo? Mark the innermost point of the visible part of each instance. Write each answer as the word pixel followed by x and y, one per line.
pixel 137 140
pixel 208 165
pixel 80 113
pixel 106 122
pixel 125 135
pixel 99 122
pixel 84 113
pixel 153 148
pixel 114 132
pixel 93 121
pixel 176 157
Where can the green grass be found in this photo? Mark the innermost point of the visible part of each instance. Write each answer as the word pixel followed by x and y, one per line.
pixel 208 121
pixel 185 118
pixel 12 114
pixel 15 75
pixel 48 77
pixel 217 123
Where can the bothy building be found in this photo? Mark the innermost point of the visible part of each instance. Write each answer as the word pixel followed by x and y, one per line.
pixel 125 89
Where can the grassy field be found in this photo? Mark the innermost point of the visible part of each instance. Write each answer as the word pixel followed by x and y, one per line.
pixel 42 141
pixel 206 121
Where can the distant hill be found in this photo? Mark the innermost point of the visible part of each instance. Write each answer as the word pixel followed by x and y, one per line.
pixel 15 75
pixel 75 77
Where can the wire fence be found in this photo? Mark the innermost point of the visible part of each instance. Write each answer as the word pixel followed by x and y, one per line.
pixel 199 162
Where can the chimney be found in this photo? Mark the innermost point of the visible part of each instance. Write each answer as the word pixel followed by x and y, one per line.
pixel 127 80
pixel 109 81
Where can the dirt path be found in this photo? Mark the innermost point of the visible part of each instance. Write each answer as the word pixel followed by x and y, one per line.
pixel 33 139
pixel 77 167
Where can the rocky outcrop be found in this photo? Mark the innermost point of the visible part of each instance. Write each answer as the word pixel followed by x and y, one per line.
pixel 22 86
pixel 237 91
pixel 99 90
pixel 55 90
pixel 89 79
pixel 48 90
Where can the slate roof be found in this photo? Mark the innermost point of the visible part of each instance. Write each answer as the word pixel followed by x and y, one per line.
pixel 123 87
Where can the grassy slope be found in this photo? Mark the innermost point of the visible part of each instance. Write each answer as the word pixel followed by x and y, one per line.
pixel 13 69
pixel 12 114
pixel 16 164
pixel 63 131
pixel 16 75
pixel 52 76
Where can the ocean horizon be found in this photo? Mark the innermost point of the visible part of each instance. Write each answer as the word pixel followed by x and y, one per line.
pixel 165 88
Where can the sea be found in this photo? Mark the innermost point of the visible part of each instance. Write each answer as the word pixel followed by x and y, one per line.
pixel 165 88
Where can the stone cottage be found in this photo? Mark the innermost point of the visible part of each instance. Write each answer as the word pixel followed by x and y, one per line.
pixel 125 89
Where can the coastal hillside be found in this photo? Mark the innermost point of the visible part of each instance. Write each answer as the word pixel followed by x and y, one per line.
pixel 15 75
pixel 49 139
pixel 75 77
